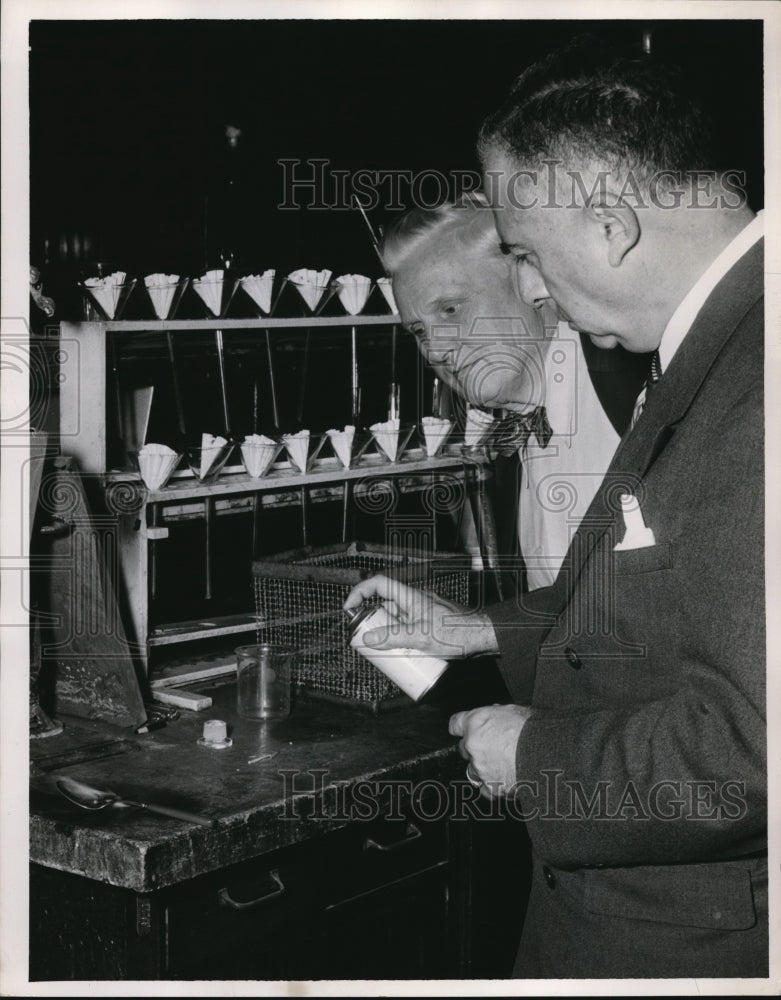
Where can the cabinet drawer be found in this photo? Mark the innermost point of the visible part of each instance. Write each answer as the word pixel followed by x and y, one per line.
pixel 242 919
pixel 399 931
pixel 238 924
pixel 369 855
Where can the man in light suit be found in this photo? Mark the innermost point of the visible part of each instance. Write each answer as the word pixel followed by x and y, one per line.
pixel 635 750
pixel 457 294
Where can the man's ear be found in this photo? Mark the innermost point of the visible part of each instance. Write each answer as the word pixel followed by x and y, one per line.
pixel 621 229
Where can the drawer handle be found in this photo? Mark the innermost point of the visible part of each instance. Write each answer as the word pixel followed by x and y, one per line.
pixel 226 898
pixel 412 834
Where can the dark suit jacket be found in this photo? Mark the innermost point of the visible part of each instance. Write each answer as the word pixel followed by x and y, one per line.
pixel 646 668
pixel 617 377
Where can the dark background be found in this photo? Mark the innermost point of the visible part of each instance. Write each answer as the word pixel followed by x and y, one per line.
pixel 128 118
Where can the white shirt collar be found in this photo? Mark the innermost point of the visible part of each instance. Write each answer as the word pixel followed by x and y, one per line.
pixel 682 319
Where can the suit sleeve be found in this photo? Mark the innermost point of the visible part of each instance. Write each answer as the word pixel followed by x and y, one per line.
pixel 520 625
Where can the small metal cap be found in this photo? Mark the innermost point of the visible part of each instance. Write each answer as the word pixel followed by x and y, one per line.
pixel 215 735
pixel 355 616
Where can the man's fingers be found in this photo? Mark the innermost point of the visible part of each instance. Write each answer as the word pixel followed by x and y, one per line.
pixel 393 609
pixel 456 724
pixel 380 586
pixel 363 590
pixel 376 638
pixel 396 635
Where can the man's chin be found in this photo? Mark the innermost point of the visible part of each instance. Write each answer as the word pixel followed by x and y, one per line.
pixel 606 341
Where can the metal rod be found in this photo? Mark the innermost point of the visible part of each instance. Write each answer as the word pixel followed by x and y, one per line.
pixel 304 527
pixel 394 338
pixel 346 497
pixel 257 510
pixel 435 478
pixel 394 401
pixel 208 510
pixel 461 509
pixel 356 397
pixel 114 361
pixel 223 384
pixel 356 415
pixel 276 299
pixel 372 235
pixel 154 517
pixel 273 322
pixel 272 381
pixel 304 373
pixel 177 390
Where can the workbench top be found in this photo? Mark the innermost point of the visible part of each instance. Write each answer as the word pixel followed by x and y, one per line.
pixel 277 784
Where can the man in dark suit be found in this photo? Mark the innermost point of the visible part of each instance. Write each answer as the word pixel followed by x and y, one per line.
pixel 635 749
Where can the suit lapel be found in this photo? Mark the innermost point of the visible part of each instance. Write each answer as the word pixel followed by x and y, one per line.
pixel 725 307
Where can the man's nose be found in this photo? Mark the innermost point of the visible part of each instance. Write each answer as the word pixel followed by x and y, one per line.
pixel 442 353
pixel 531 286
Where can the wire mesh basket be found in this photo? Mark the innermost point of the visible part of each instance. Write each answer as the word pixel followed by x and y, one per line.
pixel 298 601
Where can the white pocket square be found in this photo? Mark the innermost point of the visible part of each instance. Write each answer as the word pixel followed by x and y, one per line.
pixel 637 535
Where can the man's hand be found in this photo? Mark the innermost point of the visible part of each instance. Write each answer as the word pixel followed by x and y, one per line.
pixel 489 737
pixel 423 621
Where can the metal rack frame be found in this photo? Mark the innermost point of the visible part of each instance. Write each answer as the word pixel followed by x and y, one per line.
pixel 83 419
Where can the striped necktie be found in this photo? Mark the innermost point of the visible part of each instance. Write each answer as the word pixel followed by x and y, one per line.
pixel 654 374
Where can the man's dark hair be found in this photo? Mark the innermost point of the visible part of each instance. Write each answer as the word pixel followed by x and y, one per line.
pixel 625 110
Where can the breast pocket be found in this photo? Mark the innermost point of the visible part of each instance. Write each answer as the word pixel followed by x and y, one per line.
pixel 645 601
pixel 650 559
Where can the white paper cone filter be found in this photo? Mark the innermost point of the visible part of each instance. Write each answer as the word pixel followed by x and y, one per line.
pixel 353 292
pixel 258 452
pixel 386 435
pixel 387 291
pixel 156 462
pixel 297 446
pixel 435 430
pixel 106 291
pixel 161 288
pixel 260 287
pixel 209 287
pixel 210 451
pixel 310 284
pixel 342 442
